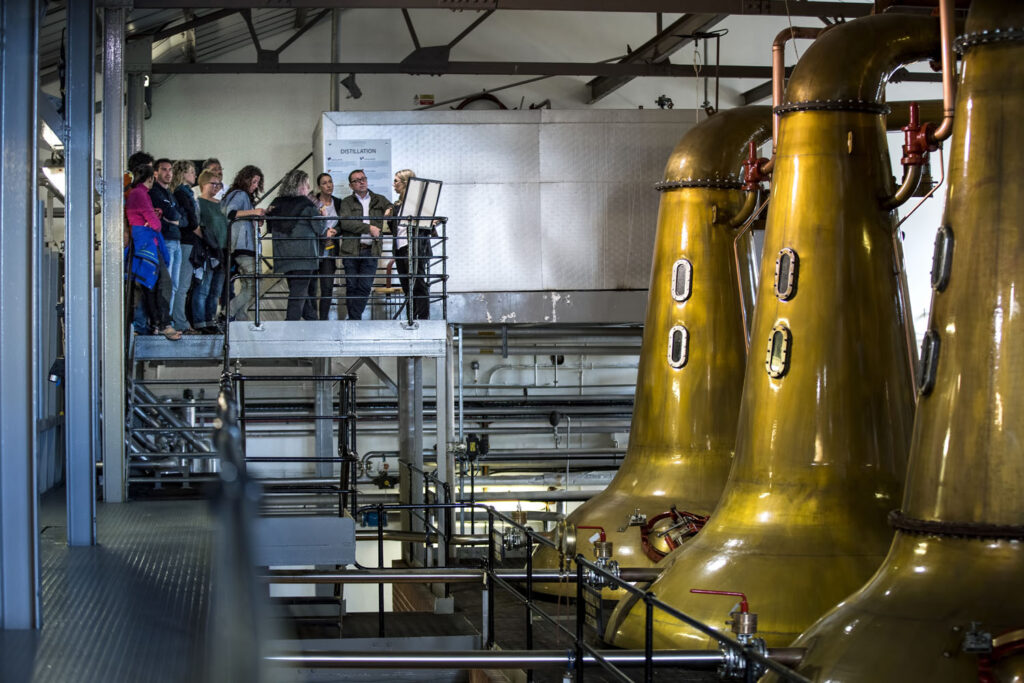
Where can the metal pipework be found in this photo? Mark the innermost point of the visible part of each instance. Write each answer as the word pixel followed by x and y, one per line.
pixel 827 408
pixel 449 575
pixel 906 190
pixel 779 77
pixel 946 23
pixel 687 392
pixel 958 553
pixel 492 659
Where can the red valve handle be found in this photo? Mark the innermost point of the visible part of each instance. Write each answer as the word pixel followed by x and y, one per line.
pixel 597 528
pixel 744 607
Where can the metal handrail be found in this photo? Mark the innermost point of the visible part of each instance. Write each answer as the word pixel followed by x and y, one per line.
pixel 414 241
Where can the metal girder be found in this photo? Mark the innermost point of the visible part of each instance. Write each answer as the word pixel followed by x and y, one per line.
pixel 796 8
pixel 78 279
pixel 475 68
pixel 656 50
pixel 185 25
pixel 19 320
pixel 758 93
pixel 112 304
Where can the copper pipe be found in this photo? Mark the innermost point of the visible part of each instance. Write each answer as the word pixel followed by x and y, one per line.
pixel 906 190
pixel 739 278
pixel 946 26
pixel 749 203
pixel 779 73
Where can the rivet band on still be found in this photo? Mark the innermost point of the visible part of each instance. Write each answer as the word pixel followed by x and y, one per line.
pixel 834 105
pixel 999 35
pixel 898 520
pixel 714 183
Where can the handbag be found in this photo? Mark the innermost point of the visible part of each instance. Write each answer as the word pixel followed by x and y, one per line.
pixel 200 254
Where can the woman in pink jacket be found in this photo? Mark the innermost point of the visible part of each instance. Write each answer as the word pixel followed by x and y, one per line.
pixel 148 248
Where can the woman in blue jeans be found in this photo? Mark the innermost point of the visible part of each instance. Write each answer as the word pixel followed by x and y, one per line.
pixel 213 226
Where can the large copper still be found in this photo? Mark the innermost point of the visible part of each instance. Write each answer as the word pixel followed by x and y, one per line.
pixel 948 603
pixel 691 361
pixel 827 407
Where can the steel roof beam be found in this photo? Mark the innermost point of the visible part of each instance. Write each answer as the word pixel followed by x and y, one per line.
pixel 466 68
pixel 796 8
pixel 656 50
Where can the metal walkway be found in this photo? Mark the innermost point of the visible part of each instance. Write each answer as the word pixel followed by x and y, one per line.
pixel 133 608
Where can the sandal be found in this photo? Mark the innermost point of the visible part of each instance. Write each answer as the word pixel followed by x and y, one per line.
pixel 171 333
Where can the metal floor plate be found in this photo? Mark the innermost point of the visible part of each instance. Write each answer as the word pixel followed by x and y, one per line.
pixel 133 608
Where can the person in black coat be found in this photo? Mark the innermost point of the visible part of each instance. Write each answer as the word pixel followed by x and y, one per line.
pixel 297 242
pixel 412 270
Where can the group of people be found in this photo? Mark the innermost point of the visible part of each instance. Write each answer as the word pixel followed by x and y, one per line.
pixel 178 244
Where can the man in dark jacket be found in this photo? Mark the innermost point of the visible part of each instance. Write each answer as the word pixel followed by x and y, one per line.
pixel 360 243
pixel 171 218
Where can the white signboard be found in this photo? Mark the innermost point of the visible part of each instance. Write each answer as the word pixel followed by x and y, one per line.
pixel 373 156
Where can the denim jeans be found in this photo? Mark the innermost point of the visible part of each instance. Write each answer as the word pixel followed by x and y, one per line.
pixel 178 317
pixel 239 306
pixel 359 273
pixel 174 268
pixel 204 299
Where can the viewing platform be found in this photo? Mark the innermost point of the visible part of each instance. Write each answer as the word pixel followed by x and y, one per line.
pixel 277 339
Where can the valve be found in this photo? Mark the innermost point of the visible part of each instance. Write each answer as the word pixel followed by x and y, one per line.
pixel 744 625
pixel 753 173
pixel 603 550
pixel 918 139
pixel 514 537
pixel 385 480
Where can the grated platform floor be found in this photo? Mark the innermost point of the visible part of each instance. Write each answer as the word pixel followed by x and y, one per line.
pixel 130 609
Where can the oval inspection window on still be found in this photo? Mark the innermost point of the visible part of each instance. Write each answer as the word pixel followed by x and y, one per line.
pixel 678 346
pixel 942 258
pixel 777 358
pixel 785 274
pixel 682 279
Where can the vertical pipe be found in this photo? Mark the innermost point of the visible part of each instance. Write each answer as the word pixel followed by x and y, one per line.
pixel 946 27
pixel 19 320
pixel 78 281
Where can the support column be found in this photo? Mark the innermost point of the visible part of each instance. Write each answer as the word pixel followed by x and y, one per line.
pixel 78 279
pixel 336 58
pixel 323 430
pixel 410 447
pixel 19 319
pixel 112 284
pixel 136 111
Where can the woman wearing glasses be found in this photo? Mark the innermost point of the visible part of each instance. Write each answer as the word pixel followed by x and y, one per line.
pixel 213 228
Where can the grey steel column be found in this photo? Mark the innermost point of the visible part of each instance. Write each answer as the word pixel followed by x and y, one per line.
pixel 410 445
pixel 112 284
pixel 323 430
pixel 336 58
pixel 19 319
pixel 78 279
pixel 136 111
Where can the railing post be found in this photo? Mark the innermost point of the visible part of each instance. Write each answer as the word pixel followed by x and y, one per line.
pixel 529 600
pixel 580 621
pixel 490 578
pixel 256 270
pixel 380 564
pixel 648 637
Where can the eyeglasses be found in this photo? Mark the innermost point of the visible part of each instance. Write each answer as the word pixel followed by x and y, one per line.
pixel 217 184
pixel 358 180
